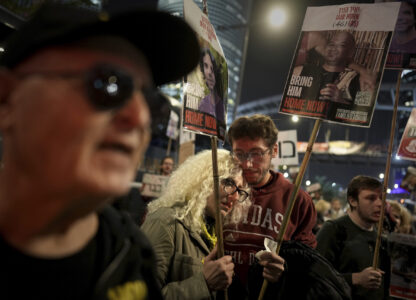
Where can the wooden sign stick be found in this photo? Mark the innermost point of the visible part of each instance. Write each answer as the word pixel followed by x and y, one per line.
pixel 386 174
pixel 293 196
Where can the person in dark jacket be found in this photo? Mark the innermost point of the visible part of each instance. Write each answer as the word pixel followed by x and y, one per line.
pixel 75 124
pixel 349 241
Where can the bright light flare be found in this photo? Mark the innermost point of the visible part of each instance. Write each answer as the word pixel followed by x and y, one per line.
pixel 295 119
pixel 277 17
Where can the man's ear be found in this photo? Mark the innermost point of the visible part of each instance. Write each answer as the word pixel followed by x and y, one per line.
pixel 352 202
pixel 7 84
pixel 275 150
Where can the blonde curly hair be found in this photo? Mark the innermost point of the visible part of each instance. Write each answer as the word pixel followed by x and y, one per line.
pixel 192 183
pixel 405 217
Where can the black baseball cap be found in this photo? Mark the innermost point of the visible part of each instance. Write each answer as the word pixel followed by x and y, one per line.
pixel 168 42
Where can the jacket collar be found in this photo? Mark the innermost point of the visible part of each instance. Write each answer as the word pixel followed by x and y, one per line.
pixel 194 235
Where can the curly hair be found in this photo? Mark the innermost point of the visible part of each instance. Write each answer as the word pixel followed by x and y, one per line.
pixel 192 183
pixel 254 127
pixel 405 217
pixel 322 206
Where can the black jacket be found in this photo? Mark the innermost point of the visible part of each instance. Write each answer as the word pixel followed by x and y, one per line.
pixel 126 256
pixel 117 263
pixel 307 276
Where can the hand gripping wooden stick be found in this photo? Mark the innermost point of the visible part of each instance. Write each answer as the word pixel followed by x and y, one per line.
pixel 293 196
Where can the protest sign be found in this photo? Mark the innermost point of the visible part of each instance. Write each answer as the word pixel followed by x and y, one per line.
pixel 172 130
pixel 153 185
pixel 206 90
pixel 287 153
pixel 402 52
pixel 407 147
pixel 403 262
pixel 339 61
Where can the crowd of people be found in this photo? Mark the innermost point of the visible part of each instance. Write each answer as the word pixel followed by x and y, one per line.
pixel 75 125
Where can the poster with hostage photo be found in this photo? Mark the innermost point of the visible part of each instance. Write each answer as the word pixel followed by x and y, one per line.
pixel 338 64
pixel 206 89
pixel 407 146
pixel 402 52
pixel 403 265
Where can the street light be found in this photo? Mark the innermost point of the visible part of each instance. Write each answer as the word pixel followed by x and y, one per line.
pixel 277 17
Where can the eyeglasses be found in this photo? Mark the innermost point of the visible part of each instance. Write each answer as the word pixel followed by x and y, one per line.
pixel 108 87
pixel 253 156
pixel 230 188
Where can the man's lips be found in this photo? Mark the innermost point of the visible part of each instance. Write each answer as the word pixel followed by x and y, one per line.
pixel 117 146
pixel 249 172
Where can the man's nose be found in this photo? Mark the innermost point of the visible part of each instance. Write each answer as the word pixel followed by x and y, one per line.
pixel 134 114
pixel 233 197
pixel 246 163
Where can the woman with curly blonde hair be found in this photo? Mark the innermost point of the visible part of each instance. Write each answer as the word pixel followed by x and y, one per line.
pixel 402 217
pixel 180 226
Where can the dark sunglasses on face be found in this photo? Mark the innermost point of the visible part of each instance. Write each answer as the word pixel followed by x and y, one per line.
pixel 229 187
pixel 108 87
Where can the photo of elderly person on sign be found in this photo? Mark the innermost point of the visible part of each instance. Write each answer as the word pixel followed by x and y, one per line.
pixel 212 103
pixel 181 227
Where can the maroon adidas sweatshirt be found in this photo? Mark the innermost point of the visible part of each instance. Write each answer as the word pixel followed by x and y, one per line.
pixel 264 219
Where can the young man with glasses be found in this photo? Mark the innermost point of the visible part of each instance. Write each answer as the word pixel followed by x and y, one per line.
pixel 75 125
pixel 253 141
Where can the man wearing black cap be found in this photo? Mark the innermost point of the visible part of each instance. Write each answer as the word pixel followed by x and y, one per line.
pixel 75 124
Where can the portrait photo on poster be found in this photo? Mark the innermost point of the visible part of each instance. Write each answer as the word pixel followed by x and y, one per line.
pixel 209 92
pixel 327 74
pixel 402 52
pixel 338 62
pixel 335 73
pixel 206 88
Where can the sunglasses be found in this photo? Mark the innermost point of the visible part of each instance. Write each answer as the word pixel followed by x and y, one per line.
pixel 107 86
